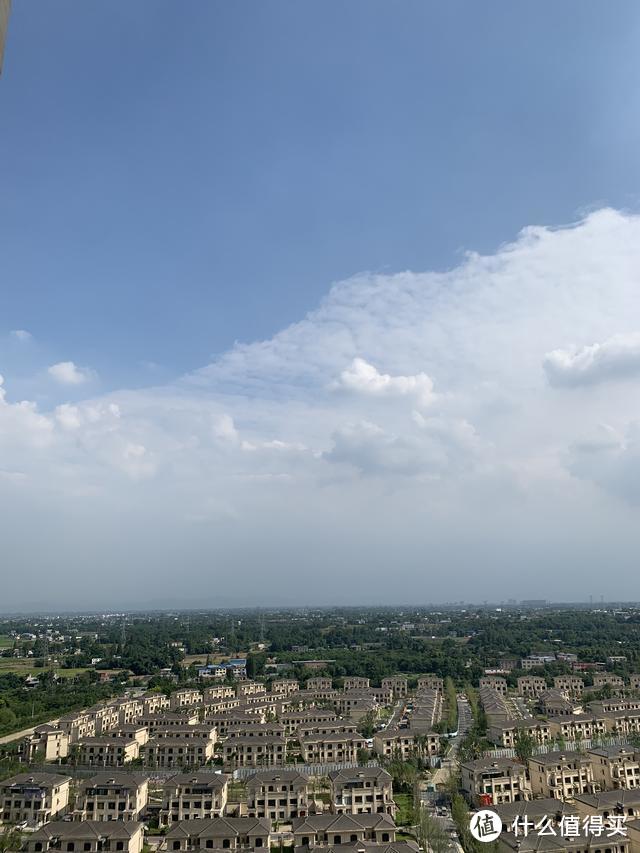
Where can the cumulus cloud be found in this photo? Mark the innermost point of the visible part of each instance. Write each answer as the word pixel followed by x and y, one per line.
pixel 616 358
pixel 67 373
pixel 22 425
pixel 363 378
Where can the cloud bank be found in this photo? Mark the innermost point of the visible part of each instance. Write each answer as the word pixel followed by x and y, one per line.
pixel 471 433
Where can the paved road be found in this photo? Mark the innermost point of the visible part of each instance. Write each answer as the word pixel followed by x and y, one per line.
pixel 18 735
pixel 465 721
pixel 15 736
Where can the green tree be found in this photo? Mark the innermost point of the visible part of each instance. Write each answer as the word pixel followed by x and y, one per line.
pixel 524 746
pixel 10 840
pixel 430 834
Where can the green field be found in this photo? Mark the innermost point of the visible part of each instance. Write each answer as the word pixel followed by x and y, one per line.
pixel 6 641
pixel 25 666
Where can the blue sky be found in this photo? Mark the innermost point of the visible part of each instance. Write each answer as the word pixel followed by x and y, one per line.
pixel 180 176
pixel 181 186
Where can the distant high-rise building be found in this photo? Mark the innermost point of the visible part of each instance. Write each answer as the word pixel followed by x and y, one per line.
pixel 5 8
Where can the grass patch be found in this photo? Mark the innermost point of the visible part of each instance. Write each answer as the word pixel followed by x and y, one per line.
pixel 27 666
pixel 405 814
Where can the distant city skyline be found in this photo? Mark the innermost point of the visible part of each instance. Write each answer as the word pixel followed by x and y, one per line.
pixel 323 304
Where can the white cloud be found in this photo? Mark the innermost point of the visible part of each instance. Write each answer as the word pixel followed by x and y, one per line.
pixel 224 428
pixel 327 447
pixel 610 461
pixel 371 451
pixel 616 358
pixel 22 426
pixel 22 335
pixel 363 378
pixel 67 373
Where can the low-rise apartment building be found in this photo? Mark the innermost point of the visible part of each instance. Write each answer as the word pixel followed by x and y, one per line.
pixel 107 751
pixel 615 767
pixel 506 734
pixel 254 751
pixel 106 718
pixel 354 682
pixel 431 682
pixel 88 836
pixel 129 710
pixel 494 682
pixel 531 686
pixel 404 743
pixel 561 775
pixel 534 661
pixel 168 752
pixel 497 780
pixel 112 796
pixel 333 830
pixel 220 691
pixel 192 796
pixel 285 686
pixel 494 706
pixel 397 684
pixel 362 790
pixel 622 722
pixel 608 803
pixel 34 797
pixel 133 731
pixel 47 743
pixel 187 698
pixel 165 719
pixel 356 704
pixel 602 679
pixel 205 731
pixel 340 726
pixel 578 726
pixel 324 749
pixel 253 728
pixel 77 725
pixel 222 833
pixel 278 795
pixel 250 688
pixel 319 683
pixel 293 720
pixel 553 704
pixel 571 686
